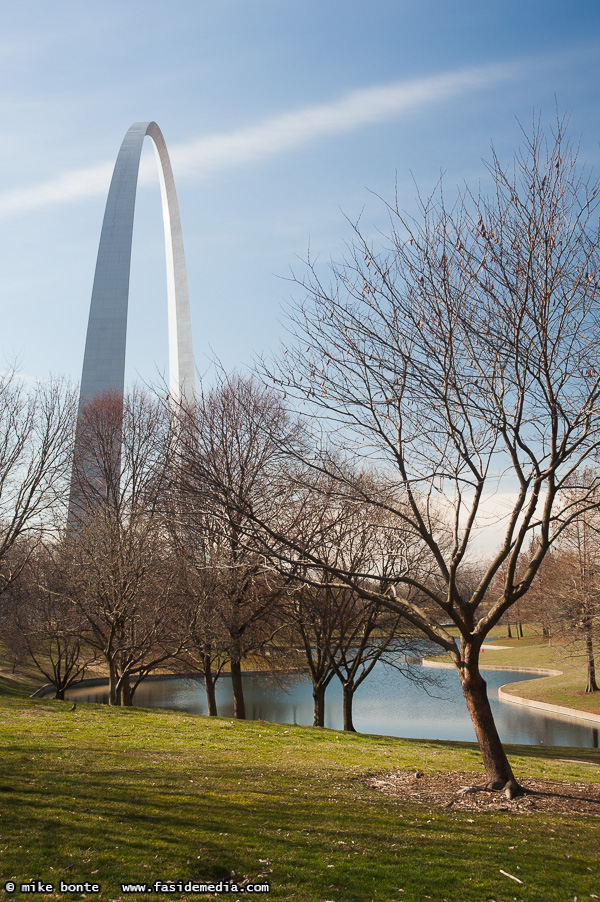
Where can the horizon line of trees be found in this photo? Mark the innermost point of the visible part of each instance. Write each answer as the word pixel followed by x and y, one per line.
pixel 149 577
pixel 145 573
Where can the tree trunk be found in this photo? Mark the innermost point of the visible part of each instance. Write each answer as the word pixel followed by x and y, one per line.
pixel 498 770
pixel 211 699
pixel 239 705
pixel 348 689
pixel 592 685
pixel 126 693
pixel 508 632
pixel 60 694
pixel 114 689
pixel 319 705
pixel 209 685
pixel 520 627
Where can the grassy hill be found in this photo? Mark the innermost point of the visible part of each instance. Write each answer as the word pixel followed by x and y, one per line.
pixel 130 795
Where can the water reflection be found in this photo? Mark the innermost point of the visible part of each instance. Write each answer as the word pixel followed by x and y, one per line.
pixel 385 704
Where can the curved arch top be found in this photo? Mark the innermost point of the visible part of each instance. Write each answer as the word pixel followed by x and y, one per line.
pixel 104 357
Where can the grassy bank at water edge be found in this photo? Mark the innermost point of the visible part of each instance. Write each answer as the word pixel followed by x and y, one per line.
pixel 118 796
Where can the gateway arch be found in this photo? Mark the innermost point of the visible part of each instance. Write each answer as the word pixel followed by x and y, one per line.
pixel 104 357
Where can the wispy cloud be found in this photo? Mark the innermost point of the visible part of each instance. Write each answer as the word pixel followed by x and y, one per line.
pixel 203 156
pixel 69 186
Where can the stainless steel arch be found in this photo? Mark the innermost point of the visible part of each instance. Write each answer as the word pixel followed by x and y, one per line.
pixel 104 357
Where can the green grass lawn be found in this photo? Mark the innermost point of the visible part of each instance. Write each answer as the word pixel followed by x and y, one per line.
pixel 133 795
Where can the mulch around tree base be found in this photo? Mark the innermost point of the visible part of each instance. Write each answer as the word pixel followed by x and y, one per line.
pixel 444 791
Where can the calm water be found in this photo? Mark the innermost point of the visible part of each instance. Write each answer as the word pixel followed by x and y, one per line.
pixel 386 704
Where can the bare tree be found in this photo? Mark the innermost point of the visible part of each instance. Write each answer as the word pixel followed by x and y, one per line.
pixel 47 626
pixel 543 604
pixel 115 556
pixel 373 633
pixel 578 589
pixel 461 363
pixel 581 601
pixel 36 431
pixel 315 618
pixel 341 632
pixel 226 449
pixel 198 570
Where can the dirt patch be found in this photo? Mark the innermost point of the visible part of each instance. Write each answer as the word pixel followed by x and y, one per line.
pixel 446 791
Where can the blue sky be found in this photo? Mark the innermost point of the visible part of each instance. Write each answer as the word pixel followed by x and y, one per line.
pixel 282 119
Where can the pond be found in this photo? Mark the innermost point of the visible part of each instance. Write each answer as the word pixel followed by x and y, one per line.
pixel 387 704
